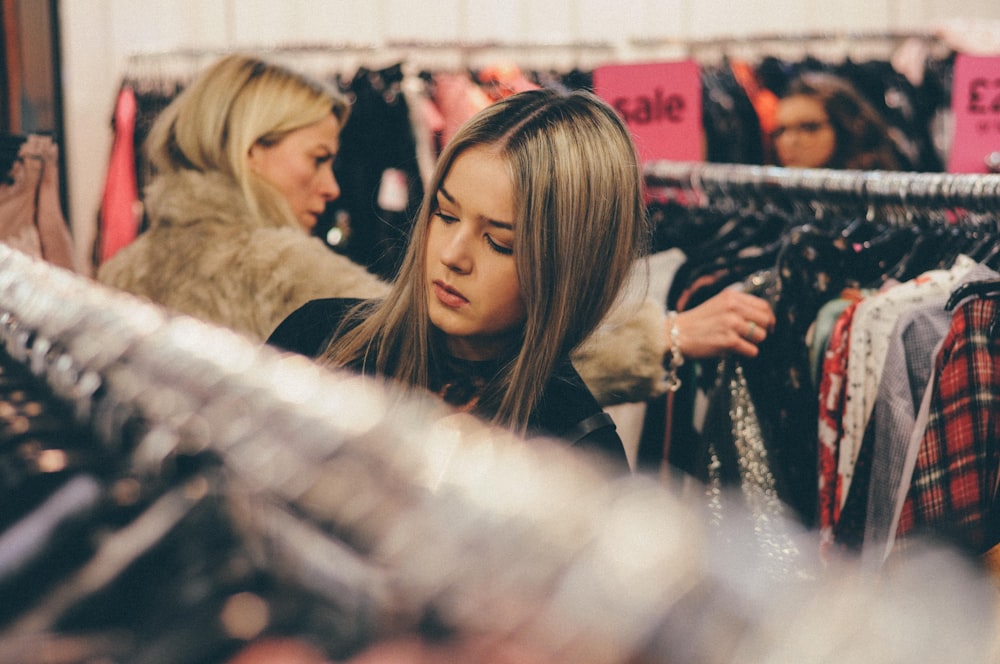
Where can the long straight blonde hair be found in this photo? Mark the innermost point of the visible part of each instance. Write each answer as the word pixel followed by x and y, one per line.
pixel 579 226
pixel 236 103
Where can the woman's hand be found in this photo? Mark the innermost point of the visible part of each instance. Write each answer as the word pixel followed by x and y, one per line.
pixel 730 322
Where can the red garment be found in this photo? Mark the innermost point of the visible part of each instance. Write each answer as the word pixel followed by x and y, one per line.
pixel 119 223
pixel 764 102
pixel 956 472
pixel 832 390
pixel 503 80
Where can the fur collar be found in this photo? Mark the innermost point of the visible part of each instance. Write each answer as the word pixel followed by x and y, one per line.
pixel 188 197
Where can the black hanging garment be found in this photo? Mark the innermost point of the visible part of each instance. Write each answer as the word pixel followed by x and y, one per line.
pixel 378 173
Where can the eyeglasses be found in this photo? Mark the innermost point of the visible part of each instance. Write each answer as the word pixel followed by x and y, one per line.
pixel 808 128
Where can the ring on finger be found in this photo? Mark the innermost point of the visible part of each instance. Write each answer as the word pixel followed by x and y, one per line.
pixel 751 331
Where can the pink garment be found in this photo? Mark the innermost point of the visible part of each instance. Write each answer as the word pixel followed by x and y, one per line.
pixel 31 218
pixel 119 223
pixel 428 125
pixel 459 98
pixel 53 231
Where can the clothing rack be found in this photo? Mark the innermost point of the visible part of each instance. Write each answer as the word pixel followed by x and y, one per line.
pixel 827 46
pixel 319 59
pixel 964 193
pixel 387 514
pixel 464 54
pixel 181 65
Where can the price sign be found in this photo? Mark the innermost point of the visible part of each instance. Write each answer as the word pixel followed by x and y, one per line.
pixel 661 104
pixel 975 105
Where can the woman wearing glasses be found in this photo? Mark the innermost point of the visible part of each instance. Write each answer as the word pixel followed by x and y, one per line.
pixel 823 122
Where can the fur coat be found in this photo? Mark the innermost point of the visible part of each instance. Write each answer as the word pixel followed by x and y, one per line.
pixel 205 255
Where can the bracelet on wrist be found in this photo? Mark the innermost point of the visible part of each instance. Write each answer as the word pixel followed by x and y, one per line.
pixel 673 379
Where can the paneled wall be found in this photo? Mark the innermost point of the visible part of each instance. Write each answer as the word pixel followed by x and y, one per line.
pixel 99 36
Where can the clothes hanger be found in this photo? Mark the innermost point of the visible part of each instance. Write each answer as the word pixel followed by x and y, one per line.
pixel 981 288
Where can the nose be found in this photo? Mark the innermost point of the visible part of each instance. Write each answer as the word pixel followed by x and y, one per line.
pixel 455 254
pixel 787 137
pixel 329 188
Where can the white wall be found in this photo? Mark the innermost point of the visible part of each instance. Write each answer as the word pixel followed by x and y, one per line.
pixel 100 35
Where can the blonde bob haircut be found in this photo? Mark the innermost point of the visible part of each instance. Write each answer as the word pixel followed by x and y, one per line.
pixel 236 103
pixel 579 226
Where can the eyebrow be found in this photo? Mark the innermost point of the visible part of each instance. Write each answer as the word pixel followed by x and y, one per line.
pixel 506 225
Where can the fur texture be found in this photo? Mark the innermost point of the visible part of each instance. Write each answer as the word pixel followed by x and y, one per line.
pixel 205 255
pixel 622 361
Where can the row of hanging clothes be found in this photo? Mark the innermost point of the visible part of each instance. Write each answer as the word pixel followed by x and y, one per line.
pixel 402 113
pixel 405 111
pixel 870 412
pixel 173 493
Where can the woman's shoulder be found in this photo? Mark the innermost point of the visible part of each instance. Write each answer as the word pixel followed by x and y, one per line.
pixel 568 410
pixel 308 329
pixel 316 270
pixel 188 197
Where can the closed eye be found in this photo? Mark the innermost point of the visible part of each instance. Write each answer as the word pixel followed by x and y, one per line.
pixel 499 248
pixel 446 218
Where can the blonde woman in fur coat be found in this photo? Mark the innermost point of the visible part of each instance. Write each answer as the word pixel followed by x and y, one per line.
pixel 228 240
pixel 243 167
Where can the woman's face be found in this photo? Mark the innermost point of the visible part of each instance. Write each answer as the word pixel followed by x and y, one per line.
pixel 803 135
pixel 474 296
pixel 300 166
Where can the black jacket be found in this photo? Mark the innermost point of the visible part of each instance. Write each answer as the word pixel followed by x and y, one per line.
pixel 566 409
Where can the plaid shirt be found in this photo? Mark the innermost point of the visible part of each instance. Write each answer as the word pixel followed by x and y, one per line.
pixel 899 419
pixel 956 470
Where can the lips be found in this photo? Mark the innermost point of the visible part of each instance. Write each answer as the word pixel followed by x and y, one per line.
pixel 448 296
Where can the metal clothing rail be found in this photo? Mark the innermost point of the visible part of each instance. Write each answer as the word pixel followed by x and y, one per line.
pixel 825 45
pixel 611 51
pixel 456 54
pixel 966 192
pixel 398 48
pixel 814 37
pixel 179 66
pixel 377 502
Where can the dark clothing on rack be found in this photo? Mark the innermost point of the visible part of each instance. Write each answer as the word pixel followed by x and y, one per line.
pixel 151 97
pixel 378 173
pixel 566 410
pixel 828 244
pixel 10 146
pixel 732 127
pixel 51 471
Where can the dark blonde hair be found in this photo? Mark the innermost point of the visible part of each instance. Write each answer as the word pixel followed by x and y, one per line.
pixel 862 136
pixel 579 226
pixel 236 103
